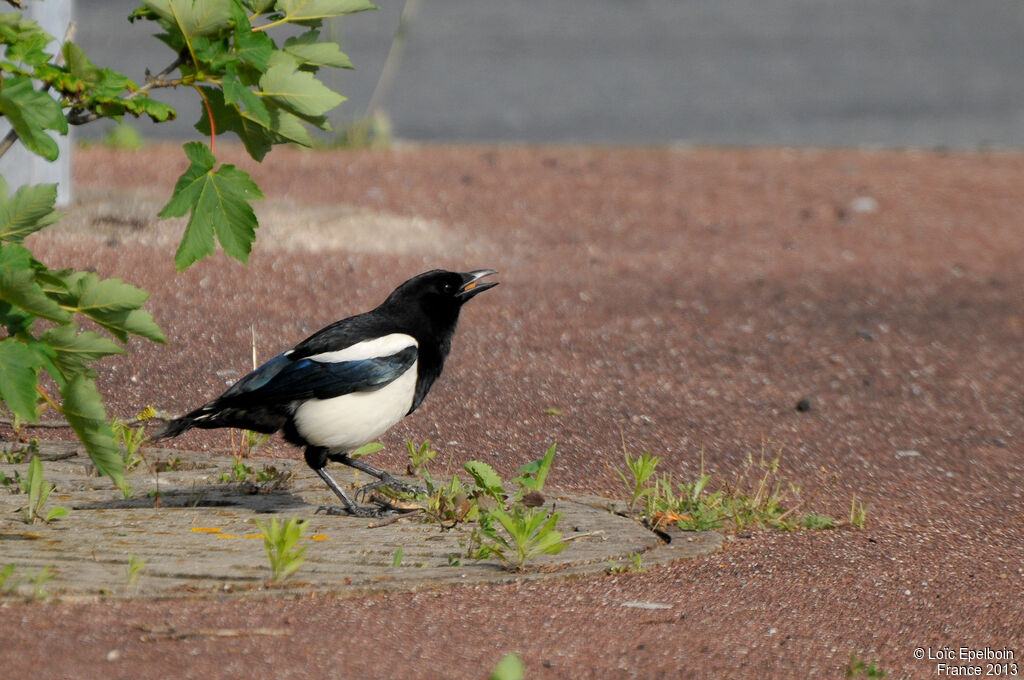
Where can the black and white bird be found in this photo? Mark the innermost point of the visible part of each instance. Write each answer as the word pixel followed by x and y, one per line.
pixel 347 384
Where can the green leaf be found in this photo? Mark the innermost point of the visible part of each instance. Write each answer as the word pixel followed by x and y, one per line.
pixel 56 513
pixel 254 133
pixel 31 113
pixel 310 51
pixel 534 474
pixel 135 322
pixel 298 91
pixel 29 210
pixel 257 134
pixel 253 48
pixel 19 370
pixel 157 111
pixel 18 285
pixel 103 296
pixel 35 484
pixel 287 127
pixel 259 6
pixel 218 203
pixel 26 41
pixel 75 351
pixel 84 410
pixel 190 184
pixel 485 477
pixel 238 94
pixel 305 10
pixel 79 65
pixel 111 303
pixel 509 668
pixel 367 449
pixel 193 17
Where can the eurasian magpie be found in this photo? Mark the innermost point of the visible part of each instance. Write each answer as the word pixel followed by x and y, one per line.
pixel 347 384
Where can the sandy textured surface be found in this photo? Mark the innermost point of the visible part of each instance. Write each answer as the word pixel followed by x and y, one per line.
pixel 679 301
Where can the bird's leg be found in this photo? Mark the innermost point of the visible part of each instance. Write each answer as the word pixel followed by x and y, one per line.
pixel 350 507
pixel 316 458
pixel 384 478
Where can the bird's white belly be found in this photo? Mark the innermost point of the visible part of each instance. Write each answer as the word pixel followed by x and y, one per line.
pixel 351 420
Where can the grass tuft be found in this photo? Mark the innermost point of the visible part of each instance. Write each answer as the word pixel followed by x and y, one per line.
pixel 756 497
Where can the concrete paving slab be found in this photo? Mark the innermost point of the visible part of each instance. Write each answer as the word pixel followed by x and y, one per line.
pixel 202 539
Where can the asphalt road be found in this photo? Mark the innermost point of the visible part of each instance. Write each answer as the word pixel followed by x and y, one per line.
pixel 929 73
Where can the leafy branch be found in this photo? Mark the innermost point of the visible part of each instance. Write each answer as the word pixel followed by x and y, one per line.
pixel 262 89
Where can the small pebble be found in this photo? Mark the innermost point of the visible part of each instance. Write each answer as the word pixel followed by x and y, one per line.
pixel 646 605
pixel 864 204
pixel 803 405
pixel 113 655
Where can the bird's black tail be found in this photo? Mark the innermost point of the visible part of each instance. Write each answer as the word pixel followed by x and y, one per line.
pixel 266 419
pixel 172 428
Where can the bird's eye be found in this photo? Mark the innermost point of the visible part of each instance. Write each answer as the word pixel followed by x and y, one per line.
pixel 449 288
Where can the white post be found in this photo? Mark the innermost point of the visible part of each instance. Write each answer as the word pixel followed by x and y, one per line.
pixel 19 166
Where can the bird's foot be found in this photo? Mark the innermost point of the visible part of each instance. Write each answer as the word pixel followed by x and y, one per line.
pixel 355 510
pixel 387 481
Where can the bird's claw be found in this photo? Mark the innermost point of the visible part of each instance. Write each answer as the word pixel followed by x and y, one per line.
pixel 390 483
pixel 355 510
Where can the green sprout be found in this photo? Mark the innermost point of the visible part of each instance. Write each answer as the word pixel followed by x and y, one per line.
pixel 280 541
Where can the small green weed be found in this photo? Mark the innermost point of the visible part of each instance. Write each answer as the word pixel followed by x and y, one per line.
pixel 280 541
pixel 39 582
pixel 252 442
pixel 509 668
pixel 451 503
pixel 19 452
pixel 13 484
pixel 856 668
pixel 373 132
pixel 396 559
pixel 419 456
pixel 9 583
pixel 858 513
pixel 135 567
pixel 240 472
pixel 756 497
pixel 131 440
pixel 512 527
pixel 366 450
pixel 635 565
pixel 814 521
pixel 39 492
pixel 13 456
pixel 641 469
pixel 123 136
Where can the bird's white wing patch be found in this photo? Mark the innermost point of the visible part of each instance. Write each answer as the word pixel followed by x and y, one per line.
pixel 347 422
pixel 383 346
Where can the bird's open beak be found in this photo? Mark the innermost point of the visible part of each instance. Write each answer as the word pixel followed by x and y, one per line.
pixel 471 283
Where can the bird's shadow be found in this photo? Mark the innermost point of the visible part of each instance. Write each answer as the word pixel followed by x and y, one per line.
pixel 245 496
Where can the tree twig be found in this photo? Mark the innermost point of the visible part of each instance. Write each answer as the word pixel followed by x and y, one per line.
pixel 83 116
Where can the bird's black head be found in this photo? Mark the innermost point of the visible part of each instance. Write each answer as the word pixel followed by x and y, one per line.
pixel 439 294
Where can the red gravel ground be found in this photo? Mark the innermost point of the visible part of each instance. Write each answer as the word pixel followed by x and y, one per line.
pixel 679 301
